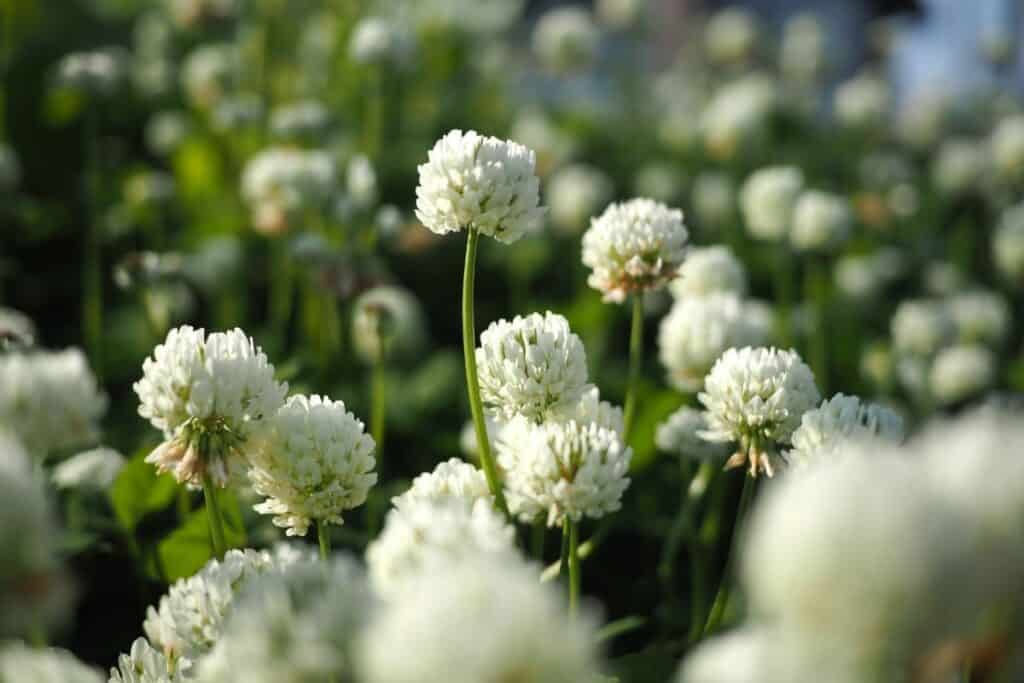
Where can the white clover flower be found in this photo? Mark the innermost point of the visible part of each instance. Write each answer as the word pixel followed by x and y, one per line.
pixel 738 114
pixel 820 221
pixel 96 73
pixel 50 400
pixel 680 435
pixel 453 478
pixel 305 117
pixel 207 72
pixel 361 181
pixel 592 410
pixel 839 421
pixel 424 533
pixel 188 13
pixel 472 182
pixel 1008 244
pixel 714 198
pixel 860 563
pixel 34 591
pixel 312 462
pixel 562 469
pixel 576 193
pixel 280 183
pixel 959 166
pixel 699 329
pixel 537 131
pixel 980 316
pixel 388 324
pixel 467 437
pixel 190 617
pixel 19 662
pixel 16 329
pixel 731 36
pixel 921 327
pixel 862 101
pixel 768 199
pixel 499 624
pixel 620 14
pixel 756 397
pixel 962 371
pixel 296 626
pixel 710 270
pixel 206 394
pixel 865 276
pixel 566 38
pixel 737 657
pixel 530 366
pixel 480 18
pixel 143 664
pixel 802 56
pixel 377 40
pixel 1007 147
pixel 94 469
pixel 660 181
pixel 10 169
pixel 634 246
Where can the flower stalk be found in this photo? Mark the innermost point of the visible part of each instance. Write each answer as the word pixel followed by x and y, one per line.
pixel 725 585
pixel 574 566
pixel 213 514
pixel 323 537
pixel 636 348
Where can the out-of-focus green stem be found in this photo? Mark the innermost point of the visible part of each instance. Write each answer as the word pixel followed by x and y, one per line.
pixel 816 292
pixel 214 516
pixel 572 529
pixel 725 585
pixel 476 406
pixel 323 537
pixel 636 350
pixel 281 285
pixel 92 267
pixel 537 540
pixel 378 410
pixel 783 272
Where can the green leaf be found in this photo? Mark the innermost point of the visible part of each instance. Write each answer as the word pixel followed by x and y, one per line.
pixel 188 548
pixel 139 491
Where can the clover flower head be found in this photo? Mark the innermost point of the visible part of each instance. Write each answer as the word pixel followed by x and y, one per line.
pixel 634 246
pixel 821 221
pixel 839 421
pixel 388 324
pixel 566 38
pixel 143 664
pixel 768 199
pixel 19 662
pixel 921 327
pixel 862 102
pixel 590 409
pixel 453 478
pixel 731 36
pixel 680 434
pixel 980 316
pixel 710 270
pixel 95 470
pixel 576 193
pixel 961 371
pixel 1008 244
pixel 472 182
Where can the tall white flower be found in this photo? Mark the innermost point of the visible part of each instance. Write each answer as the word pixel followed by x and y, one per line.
pixel 562 469
pixel 190 617
pixel 710 270
pixel 530 366
pixel 756 397
pixel 424 533
pixel 680 434
pixel 313 461
pixel 50 400
pixel 566 38
pixel 472 182
pixel 839 421
pixel 821 221
pixel 738 114
pixel 921 327
pixel 962 371
pixel 499 624
pixel 16 329
pixel 699 329
pixel 19 662
pixel 731 36
pixel 379 40
pixel 980 316
pixel 768 199
pixel 634 246
pixel 387 324
pixel 737 657
pixel 143 664
pixel 206 394
pixel 576 193
pixel 297 625
pixel 453 478
pixel 1008 244
pixel 280 184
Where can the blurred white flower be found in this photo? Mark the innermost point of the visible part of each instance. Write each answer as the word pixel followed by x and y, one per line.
pixel 297 119
pixel 731 36
pixel 467 437
pixel 699 329
pixel 634 246
pixel 453 478
pixel 921 327
pixel 189 13
pixel 962 371
pixel 576 193
pixel 768 199
pixel 680 435
pixel 980 316
pixel 206 393
pixel 280 183
pixel 714 199
pixel 426 532
pixel 207 73
pixel 862 102
pixel 95 470
pixel 361 181
pixel 923 117
pixel 566 38
pixel 620 14
pixel 1006 146
pixel 530 366
pixel 16 329
pixel 1008 244
pixel 710 270
pixel 499 624
pixel 802 56
pixel 562 469
pixel 95 73
pixel 10 169
pixel 737 657
pixel 471 182
pixel 377 40
pixel 661 181
pixel 19 662
pixel 388 324
pixel 143 664
pixel 479 18
pixel 755 397
pixel 865 276
pixel 959 166
pixel 538 132
pixel 839 421
pixel 738 114
pixel 50 400
pixel 312 462
pixel 821 221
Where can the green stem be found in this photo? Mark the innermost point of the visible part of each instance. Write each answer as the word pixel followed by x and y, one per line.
pixel 281 284
pixel 784 294
pixel 323 537
pixel 816 292
pixel 378 410
pixel 214 516
pixel 636 349
pixel 476 407
pixel 92 268
pixel 574 565
pixel 725 585
pixel 537 541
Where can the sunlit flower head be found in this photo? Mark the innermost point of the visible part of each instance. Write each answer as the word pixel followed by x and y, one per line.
pixel 566 38
pixel 680 434
pixel 452 478
pixel 826 430
pixel 768 199
pixel 710 270
pixel 962 371
pixel 388 324
pixel 821 221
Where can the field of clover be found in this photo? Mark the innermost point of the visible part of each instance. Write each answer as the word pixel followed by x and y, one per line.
pixel 397 341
